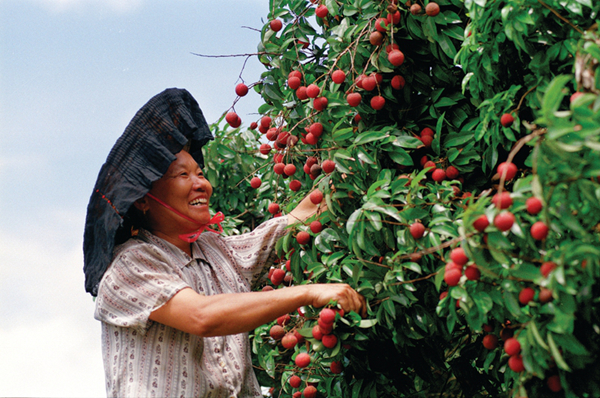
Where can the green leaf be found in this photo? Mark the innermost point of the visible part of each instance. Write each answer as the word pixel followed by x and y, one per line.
pixel 556 354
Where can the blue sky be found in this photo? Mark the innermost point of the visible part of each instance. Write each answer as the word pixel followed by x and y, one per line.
pixel 72 75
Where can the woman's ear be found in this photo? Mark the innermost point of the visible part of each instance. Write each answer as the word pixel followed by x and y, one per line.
pixel 142 204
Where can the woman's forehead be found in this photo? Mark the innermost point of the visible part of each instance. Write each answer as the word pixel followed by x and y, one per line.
pixel 184 160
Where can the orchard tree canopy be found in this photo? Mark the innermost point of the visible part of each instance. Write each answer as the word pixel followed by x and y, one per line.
pixel 457 145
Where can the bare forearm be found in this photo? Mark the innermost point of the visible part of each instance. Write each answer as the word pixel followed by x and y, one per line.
pixel 242 312
pixel 224 314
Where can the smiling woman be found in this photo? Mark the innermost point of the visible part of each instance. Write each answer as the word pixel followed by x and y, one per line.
pixel 175 303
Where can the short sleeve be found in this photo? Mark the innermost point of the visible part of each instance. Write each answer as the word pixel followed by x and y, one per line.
pixel 251 250
pixel 138 281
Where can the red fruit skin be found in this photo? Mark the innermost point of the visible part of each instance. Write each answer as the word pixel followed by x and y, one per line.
pixel 302 360
pixel 313 91
pixel 277 276
pixel 472 273
pixel 320 103
pixel 297 394
pixel 515 362
pixel 369 83
pixel 381 25
pixel 289 340
pixel 509 168
pixel 310 392
pixel 273 208
pixel 512 346
pixel 241 89
pixel 377 102
pixel 336 367
pixel 294 82
pixel 295 73
pixel 553 383
pixel 534 205
pixel 321 11
pixel 253 126
pixel 526 295
pixel 316 129
pixel 547 268
pixel 316 333
pixel 458 256
pixel 316 227
pixel 265 121
pixel 432 9
pixel 301 93
pixel 539 230
pixel 507 120
pixel 398 82
pixel 328 166
pixel 289 169
pixel 415 9
pixel 329 340
pixel 233 119
pixel 277 332
pixel 504 221
pixel 490 341
pixel 354 99
pixel 502 200
pixel 303 237
pixel 278 168
pixel 396 57
pixel 316 197
pixel 295 185
pixel 452 265
pixel 394 18
pixel 327 315
pixel 255 182
pixel 417 230
pixel 284 319
pixel 265 149
pixel 427 131
pixel 427 140
pixel 429 164
pixel 452 277
pixel 545 295
pixel 481 223
pixel 276 25
pixel 438 175
pixel 452 172
pixel 338 76
pixel 295 381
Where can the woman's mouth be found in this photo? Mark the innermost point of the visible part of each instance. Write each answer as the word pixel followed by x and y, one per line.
pixel 199 202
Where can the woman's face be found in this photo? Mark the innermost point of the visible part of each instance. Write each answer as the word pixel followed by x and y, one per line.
pixel 184 188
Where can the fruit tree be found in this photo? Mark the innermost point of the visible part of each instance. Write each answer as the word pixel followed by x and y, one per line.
pixel 457 146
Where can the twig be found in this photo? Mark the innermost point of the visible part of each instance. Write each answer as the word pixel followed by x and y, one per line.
pixel 234 55
pixel 560 16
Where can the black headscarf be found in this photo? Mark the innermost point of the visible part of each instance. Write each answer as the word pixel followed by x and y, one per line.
pixel 142 155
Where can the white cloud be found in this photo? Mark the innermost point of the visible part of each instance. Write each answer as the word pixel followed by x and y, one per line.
pixel 49 340
pixel 56 357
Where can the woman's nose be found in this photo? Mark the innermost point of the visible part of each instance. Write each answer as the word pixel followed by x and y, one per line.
pixel 200 183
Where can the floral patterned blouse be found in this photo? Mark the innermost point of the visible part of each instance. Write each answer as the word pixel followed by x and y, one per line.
pixel 143 358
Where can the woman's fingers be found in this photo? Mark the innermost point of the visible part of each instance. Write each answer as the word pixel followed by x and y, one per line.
pixel 343 294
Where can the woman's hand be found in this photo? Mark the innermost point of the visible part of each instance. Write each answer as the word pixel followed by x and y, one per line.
pixel 305 210
pixel 346 297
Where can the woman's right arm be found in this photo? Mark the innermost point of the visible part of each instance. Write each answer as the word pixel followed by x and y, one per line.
pixel 224 314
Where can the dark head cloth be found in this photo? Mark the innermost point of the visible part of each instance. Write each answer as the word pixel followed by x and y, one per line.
pixel 140 156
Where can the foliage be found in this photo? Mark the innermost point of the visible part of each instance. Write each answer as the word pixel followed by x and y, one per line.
pixel 463 69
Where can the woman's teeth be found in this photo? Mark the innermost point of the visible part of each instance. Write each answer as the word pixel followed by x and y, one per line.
pixel 199 201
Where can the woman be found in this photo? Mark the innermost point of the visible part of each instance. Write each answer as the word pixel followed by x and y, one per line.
pixel 176 304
